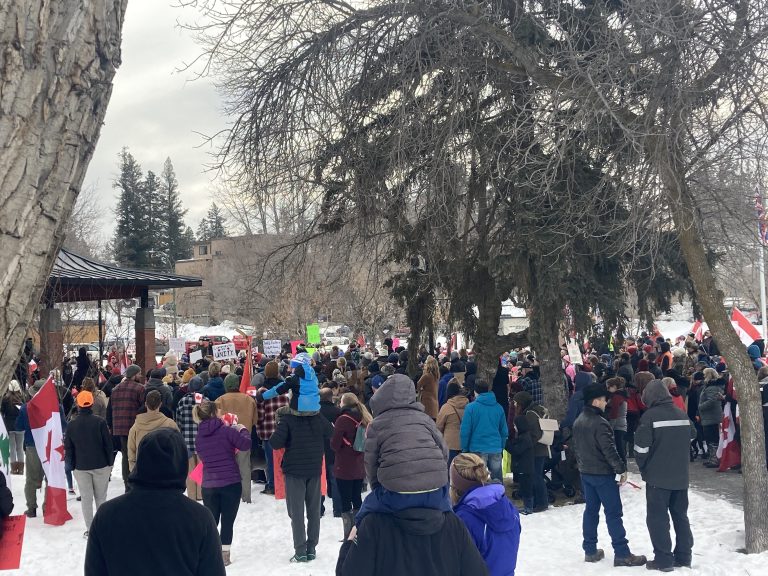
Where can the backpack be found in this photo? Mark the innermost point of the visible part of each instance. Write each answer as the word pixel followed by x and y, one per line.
pixel 548 428
pixel 359 444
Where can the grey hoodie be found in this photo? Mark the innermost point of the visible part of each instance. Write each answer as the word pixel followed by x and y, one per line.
pixel 404 450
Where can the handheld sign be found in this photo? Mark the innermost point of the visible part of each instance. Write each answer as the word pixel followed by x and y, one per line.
pixel 224 351
pixel 272 347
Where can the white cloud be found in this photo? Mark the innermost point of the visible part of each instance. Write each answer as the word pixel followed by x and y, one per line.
pixel 158 111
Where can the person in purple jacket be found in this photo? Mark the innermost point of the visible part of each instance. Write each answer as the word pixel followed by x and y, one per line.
pixel 492 520
pixel 216 444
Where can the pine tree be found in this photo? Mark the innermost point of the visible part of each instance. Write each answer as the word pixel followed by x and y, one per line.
pixel 131 242
pixel 177 244
pixel 216 222
pixel 204 231
pixel 187 244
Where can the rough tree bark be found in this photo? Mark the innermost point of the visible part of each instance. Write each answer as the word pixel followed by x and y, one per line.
pixel 545 339
pixel 57 62
pixel 711 300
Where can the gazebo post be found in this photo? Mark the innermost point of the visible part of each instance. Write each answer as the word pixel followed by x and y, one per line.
pixel 145 334
pixel 51 339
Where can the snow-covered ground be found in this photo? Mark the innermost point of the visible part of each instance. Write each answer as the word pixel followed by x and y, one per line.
pixel 550 542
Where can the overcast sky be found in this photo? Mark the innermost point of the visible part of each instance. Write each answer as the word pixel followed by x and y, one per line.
pixel 157 111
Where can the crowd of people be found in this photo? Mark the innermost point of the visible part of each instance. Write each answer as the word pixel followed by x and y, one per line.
pixel 432 449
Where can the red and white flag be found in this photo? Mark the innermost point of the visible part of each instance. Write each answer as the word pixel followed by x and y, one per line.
pixel 45 422
pixel 749 329
pixel 728 450
pixel 102 378
pixel 124 361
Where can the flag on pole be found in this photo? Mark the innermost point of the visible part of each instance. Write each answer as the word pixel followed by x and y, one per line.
pixel 5 453
pixel 102 378
pixel 762 219
pixel 749 329
pixel 728 450
pixel 45 421
pixel 124 361
pixel 245 381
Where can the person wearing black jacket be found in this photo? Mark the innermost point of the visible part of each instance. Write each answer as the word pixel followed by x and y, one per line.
pixel 303 435
pixel 661 445
pixel 89 453
pixel 155 505
pixel 425 542
pixel 331 412
pixel 6 501
pixel 602 471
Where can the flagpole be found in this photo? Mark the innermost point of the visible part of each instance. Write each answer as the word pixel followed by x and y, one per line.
pixel 761 268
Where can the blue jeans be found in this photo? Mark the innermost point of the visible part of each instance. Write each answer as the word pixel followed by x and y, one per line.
pixel 453 453
pixel 540 495
pixel 383 501
pixel 270 469
pixel 603 489
pixel 493 461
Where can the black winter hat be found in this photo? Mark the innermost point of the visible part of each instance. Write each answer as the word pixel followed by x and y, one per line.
pixel 594 391
pixel 161 461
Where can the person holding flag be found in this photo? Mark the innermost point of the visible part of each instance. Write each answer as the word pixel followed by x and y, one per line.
pixel 44 449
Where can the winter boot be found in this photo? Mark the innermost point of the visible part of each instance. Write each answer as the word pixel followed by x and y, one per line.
pixel 596 557
pixel 713 461
pixel 630 560
pixel 348 520
pixel 20 468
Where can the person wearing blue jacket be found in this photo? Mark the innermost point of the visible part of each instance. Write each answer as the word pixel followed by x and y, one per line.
pixel 484 428
pixel 483 507
pixel 576 402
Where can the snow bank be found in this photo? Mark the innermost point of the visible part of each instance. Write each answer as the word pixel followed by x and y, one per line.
pixel 550 543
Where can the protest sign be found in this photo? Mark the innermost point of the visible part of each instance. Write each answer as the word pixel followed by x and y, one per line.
pixel 574 353
pixel 177 345
pixel 224 351
pixel 313 334
pixel 195 356
pixel 272 347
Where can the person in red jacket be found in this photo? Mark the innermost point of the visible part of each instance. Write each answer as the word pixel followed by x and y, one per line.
pixel 349 467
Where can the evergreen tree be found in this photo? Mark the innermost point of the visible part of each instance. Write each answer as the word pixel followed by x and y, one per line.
pixel 203 231
pixel 216 222
pixel 177 244
pixel 187 243
pixel 131 241
pixel 153 221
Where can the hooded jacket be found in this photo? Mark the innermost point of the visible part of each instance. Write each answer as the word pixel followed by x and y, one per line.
pixel 303 437
pixel 449 421
pixel 155 505
pixel 216 444
pixel 710 404
pixel 304 387
pixel 576 402
pixel 143 425
pixel 165 391
pixel 484 427
pixel 662 441
pixel 521 448
pixel 404 450
pixel 754 354
pixel 214 388
pixel 428 543
pixel 494 524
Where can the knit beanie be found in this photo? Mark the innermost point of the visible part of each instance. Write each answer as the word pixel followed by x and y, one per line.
pixel 459 483
pixel 161 461
pixel 232 383
pixel 195 384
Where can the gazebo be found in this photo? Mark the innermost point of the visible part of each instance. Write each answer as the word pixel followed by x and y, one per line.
pixel 75 278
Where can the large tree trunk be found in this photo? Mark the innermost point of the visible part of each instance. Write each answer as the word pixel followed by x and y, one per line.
pixel 545 339
pixel 57 61
pixel 739 365
pixel 486 346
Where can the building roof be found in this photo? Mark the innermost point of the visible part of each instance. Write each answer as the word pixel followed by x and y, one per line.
pixel 75 278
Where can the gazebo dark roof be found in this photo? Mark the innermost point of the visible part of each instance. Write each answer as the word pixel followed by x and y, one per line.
pixel 75 278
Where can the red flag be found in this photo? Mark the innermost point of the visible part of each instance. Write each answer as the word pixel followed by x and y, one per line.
pixel 728 451
pixel 102 379
pixel 245 381
pixel 45 421
pixel 124 361
pixel 749 329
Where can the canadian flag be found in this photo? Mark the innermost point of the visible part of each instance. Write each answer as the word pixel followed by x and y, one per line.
pixel 749 329
pixel 697 330
pixel 245 380
pixel 124 362
pixel 728 450
pixel 45 421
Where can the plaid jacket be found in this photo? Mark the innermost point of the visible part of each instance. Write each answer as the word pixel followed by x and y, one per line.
pixel 126 400
pixel 266 415
pixel 185 422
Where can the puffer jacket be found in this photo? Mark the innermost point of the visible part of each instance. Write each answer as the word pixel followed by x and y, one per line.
pixel 576 402
pixel 404 450
pixel 710 404
pixel 595 445
pixel 617 411
pixel 484 427
pixel 662 440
